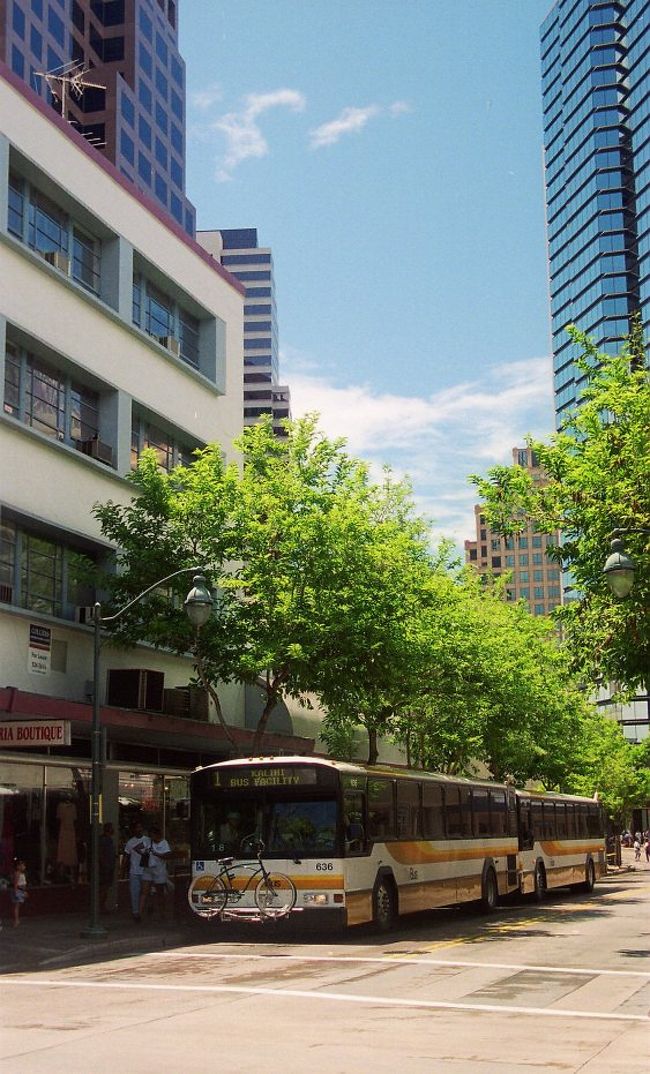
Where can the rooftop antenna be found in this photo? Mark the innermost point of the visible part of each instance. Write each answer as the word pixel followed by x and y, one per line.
pixel 70 79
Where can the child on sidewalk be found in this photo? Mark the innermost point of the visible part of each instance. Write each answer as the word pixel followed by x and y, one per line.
pixel 18 889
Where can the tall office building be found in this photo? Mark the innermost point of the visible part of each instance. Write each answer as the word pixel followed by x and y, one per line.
pixel 237 249
pixel 533 577
pixel 113 70
pixel 596 92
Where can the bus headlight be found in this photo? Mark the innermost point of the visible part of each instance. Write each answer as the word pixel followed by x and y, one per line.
pixel 316 898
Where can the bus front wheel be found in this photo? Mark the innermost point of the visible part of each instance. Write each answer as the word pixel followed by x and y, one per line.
pixel 384 904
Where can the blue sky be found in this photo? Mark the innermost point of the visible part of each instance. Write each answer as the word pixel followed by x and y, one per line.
pixel 389 151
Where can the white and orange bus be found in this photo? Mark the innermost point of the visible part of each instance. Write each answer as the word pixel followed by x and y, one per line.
pixel 365 843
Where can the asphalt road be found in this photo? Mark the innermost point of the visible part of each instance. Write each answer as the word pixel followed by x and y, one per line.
pixel 562 987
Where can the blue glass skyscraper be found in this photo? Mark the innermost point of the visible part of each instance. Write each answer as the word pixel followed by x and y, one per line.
pixel 596 93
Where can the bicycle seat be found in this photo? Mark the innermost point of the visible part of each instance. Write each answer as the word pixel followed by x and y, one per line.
pixel 226 862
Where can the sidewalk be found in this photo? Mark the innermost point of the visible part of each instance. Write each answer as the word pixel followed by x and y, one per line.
pixel 44 942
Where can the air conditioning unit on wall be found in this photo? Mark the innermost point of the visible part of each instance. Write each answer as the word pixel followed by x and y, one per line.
pixel 171 343
pixel 135 688
pixel 96 449
pixel 57 260
pixel 84 613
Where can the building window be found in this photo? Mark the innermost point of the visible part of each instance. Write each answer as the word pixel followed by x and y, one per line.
pixel 169 452
pixel 496 561
pixel 510 561
pixel 165 320
pixel 41 574
pixel 523 560
pixel 523 576
pixel 537 541
pixel 539 609
pixel 189 337
pixel 523 542
pixel 48 400
pixel 51 233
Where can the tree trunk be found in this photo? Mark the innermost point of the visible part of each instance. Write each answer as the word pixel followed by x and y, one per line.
pixel 260 730
pixel 373 751
pixel 207 685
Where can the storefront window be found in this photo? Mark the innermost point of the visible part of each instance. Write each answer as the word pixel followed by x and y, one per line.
pixel 155 799
pixel 21 811
pixel 67 823
pixel 44 820
pixel 45 816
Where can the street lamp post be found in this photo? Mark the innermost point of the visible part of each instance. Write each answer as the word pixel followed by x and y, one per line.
pixel 198 606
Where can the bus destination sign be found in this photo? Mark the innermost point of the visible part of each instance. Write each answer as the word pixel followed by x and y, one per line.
pixel 236 779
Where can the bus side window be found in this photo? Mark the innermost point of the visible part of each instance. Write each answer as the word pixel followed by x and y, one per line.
pixel 433 811
pixel 536 818
pixel 570 820
pixel 525 825
pixel 549 820
pixel 381 809
pixel 481 810
pixel 593 820
pixel 560 820
pixel 408 809
pixel 498 813
pixel 353 813
pixel 452 813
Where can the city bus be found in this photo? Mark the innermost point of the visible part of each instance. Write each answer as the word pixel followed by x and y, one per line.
pixel 364 843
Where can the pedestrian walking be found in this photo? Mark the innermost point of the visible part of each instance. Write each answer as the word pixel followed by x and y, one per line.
pixel 136 856
pixel 155 874
pixel 18 888
pixel 647 847
pixel 637 850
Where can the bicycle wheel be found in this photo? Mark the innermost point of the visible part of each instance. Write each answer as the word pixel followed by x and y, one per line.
pixel 207 895
pixel 275 895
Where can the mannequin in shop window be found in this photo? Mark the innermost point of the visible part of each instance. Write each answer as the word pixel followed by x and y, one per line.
pixel 66 853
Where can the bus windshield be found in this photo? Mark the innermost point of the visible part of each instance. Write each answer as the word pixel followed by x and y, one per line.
pixel 288 827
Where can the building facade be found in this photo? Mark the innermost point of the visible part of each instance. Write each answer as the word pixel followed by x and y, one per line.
pixel 238 251
pixel 596 100
pixel 113 70
pixel 117 332
pixel 533 577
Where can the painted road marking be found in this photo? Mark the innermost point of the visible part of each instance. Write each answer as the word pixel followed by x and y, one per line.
pixel 409 960
pixel 330 997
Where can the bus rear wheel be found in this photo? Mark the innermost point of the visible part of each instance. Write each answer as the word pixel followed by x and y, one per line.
pixel 490 897
pixel 384 905
pixel 539 890
pixel 587 885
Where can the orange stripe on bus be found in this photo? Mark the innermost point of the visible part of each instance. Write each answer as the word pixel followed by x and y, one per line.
pixel 423 853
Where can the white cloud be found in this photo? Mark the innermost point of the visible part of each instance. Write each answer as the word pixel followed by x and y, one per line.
pixel 350 121
pixel 205 98
pixel 437 439
pixel 243 135
pixel 399 108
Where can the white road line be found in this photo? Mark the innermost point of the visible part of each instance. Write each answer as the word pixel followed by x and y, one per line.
pixel 332 997
pixel 395 960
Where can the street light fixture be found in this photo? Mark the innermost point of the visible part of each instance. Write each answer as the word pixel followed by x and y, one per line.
pixel 198 606
pixel 619 568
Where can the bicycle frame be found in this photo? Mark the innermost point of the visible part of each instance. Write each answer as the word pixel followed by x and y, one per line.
pixel 225 879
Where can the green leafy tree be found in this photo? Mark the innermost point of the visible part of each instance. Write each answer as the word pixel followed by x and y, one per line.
pixel 611 767
pixel 499 690
pixel 305 552
pixel 598 468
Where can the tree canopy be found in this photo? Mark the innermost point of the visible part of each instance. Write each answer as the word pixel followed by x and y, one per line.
pixel 598 470
pixel 326 584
